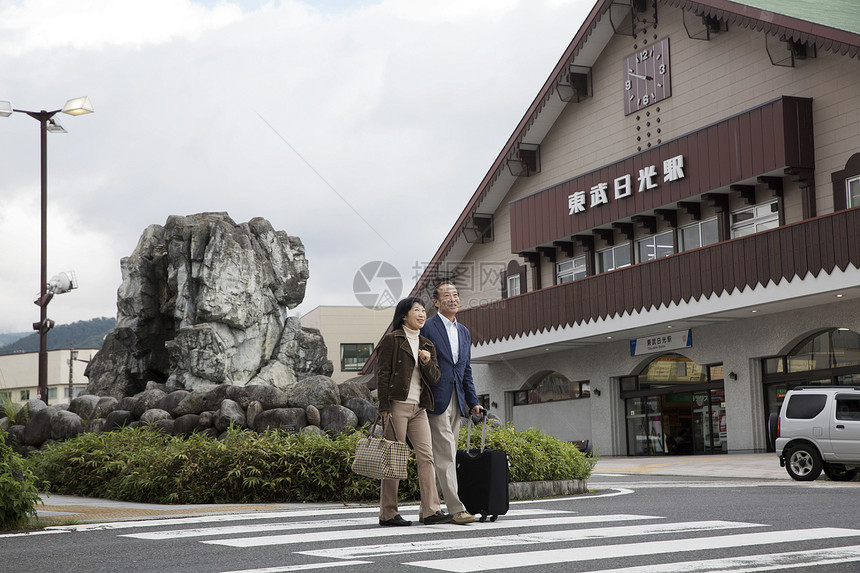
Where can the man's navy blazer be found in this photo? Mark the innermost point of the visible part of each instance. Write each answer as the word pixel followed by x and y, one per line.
pixel 457 375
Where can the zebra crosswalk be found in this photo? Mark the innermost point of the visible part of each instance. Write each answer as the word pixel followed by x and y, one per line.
pixel 528 537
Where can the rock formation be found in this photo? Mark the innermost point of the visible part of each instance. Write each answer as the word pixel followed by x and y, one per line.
pixel 204 302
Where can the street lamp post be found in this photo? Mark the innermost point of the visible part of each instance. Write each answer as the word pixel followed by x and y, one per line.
pixel 78 106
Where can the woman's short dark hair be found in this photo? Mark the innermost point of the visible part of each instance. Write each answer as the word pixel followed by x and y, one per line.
pixel 402 309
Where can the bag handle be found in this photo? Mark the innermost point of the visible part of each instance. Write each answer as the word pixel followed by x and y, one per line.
pixel 483 430
pixel 384 421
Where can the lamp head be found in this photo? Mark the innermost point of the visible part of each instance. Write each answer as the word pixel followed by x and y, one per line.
pixel 78 106
pixel 5 108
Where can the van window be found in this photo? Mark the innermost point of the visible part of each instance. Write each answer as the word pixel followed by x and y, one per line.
pixel 805 406
pixel 848 408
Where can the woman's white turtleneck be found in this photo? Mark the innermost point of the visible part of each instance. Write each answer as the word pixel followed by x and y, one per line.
pixel 415 383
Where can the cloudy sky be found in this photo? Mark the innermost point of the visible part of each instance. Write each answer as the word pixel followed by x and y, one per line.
pixel 361 126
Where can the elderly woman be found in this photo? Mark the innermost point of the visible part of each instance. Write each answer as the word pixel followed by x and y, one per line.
pixel 407 367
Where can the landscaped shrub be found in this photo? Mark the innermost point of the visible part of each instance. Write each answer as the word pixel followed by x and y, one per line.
pixel 18 493
pixel 146 465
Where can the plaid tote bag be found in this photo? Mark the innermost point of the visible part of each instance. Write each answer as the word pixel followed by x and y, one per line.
pixel 379 458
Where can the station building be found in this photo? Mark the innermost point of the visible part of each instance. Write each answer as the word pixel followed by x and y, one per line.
pixel 670 238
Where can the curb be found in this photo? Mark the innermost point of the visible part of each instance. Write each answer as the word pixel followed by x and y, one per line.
pixel 537 489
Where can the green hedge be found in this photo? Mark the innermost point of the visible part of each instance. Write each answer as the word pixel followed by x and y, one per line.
pixel 18 493
pixel 147 465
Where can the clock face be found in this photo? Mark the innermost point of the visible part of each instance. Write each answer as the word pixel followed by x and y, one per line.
pixel 646 77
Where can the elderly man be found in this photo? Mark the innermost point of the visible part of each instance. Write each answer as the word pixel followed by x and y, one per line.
pixel 453 395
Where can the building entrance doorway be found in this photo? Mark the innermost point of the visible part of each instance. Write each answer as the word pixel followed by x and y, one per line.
pixel 675 407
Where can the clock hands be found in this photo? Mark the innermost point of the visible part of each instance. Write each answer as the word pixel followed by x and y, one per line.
pixel 640 76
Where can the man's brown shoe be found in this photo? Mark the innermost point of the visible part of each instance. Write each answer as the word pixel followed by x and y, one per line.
pixel 463 517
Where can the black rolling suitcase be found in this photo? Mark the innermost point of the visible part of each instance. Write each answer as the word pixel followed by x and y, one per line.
pixel 482 478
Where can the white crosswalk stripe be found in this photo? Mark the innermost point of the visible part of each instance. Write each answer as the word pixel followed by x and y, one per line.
pixel 541 537
pixel 603 552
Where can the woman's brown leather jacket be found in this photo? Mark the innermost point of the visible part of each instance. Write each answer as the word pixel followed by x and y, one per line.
pixel 395 364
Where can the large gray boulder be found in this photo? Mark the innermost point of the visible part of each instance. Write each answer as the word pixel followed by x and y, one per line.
pixel 353 388
pixel 302 349
pixel 204 302
pixel 268 396
pixel 191 404
pixel 118 419
pixel 154 415
pixel 172 400
pixel 318 390
pixel 105 406
pixel 186 425
pixel 84 406
pixel 147 400
pixel 66 425
pixel 230 412
pixel 364 410
pixel 280 418
pixel 337 419
pixel 37 430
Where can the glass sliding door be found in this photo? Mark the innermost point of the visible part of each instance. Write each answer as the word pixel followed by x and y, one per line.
pixel 644 426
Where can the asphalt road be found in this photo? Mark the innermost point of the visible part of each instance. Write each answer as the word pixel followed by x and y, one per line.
pixel 628 524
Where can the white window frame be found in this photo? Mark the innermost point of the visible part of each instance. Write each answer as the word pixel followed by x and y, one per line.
pixel 613 250
pixel 651 242
pixel 570 270
pixel 682 246
pixel 514 285
pixel 761 218
pixel 849 183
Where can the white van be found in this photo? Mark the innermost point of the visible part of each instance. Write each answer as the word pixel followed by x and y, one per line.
pixel 819 429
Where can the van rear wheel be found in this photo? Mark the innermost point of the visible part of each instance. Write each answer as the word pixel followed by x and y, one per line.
pixel 803 463
pixel 838 472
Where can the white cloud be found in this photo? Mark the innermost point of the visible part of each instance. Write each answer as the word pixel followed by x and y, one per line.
pixel 400 108
pixel 31 25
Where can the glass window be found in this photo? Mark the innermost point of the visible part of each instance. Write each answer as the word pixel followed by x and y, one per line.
pixel 670 369
pixel 52 393
pixel 655 247
pixel 25 395
pixel 848 408
pixel 514 285
pixel 5 397
pixel 76 391
pixel 755 219
pixel 551 387
pixel 615 258
pixel 353 356
pixel 773 365
pixel 852 188
pixel 835 348
pixel 697 235
pixel 805 406
pixel 570 270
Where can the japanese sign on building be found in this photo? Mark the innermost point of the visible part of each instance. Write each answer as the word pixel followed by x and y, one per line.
pixel 622 187
pixel 661 343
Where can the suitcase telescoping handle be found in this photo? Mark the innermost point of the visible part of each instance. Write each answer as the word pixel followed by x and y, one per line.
pixel 483 430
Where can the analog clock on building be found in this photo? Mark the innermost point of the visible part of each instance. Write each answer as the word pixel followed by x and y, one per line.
pixel 646 77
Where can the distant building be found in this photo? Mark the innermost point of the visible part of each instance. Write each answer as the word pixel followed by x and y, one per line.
pixel 350 334
pixel 19 375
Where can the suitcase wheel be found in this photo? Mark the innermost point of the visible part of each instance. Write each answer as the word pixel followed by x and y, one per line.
pixel 494 517
pixel 483 518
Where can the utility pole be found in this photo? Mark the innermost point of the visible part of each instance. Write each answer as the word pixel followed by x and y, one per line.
pixel 73 355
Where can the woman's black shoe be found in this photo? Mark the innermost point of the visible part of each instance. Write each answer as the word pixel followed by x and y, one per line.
pixel 437 518
pixel 394 521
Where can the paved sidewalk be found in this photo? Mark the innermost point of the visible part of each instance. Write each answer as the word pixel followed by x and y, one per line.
pixel 758 466
pixel 66 508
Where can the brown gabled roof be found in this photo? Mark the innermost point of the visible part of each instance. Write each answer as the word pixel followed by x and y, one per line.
pixel 824 37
